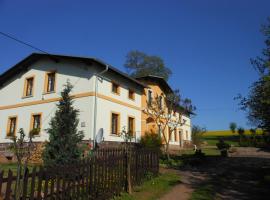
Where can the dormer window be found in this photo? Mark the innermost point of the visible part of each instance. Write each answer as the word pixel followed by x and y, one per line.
pixel 28 87
pixel 50 82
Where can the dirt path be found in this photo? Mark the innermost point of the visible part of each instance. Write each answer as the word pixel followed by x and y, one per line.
pixel 239 177
pixel 183 191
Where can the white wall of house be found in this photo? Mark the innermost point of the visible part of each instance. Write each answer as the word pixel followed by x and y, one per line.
pixel 183 131
pixel 82 77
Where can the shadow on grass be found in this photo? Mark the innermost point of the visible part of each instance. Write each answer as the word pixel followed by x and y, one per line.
pixel 230 178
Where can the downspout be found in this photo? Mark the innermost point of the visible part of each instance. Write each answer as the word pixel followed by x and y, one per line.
pixel 95 104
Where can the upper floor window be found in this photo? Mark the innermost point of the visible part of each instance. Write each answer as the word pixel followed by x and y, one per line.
pixel 50 82
pixel 35 123
pixel 115 88
pixel 149 97
pixel 131 126
pixel 12 125
pixel 29 86
pixel 160 101
pixel 115 123
pixel 131 94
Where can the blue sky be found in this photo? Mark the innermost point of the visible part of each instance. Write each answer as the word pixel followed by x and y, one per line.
pixel 206 43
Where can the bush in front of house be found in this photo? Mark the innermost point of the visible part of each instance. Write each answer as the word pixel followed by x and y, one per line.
pixel 151 140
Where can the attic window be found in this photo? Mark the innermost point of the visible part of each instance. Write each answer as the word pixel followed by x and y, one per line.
pixel 115 88
pixel 28 86
pixel 50 82
pixel 131 94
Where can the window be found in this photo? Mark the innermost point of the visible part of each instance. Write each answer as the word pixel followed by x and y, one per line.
pixel 186 135
pixel 171 136
pixel 50 82
pixel 12 125
pixel 175 136
pixel 149 97
pixel 160 101
pixel 35 124
pixel 115 88
pixel 131 126
pixel 115 124
pixel 28 87
pixel 131 94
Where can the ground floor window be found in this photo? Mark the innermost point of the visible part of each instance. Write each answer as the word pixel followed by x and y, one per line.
pixel 131 126
pixel 12 126
pixel 115 124
pixel 35 124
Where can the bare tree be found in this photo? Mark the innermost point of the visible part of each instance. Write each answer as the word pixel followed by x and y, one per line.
pixel 162 108
pixel 22 149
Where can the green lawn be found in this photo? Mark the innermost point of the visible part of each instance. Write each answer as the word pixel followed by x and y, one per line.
pixel 213 140
pixel 208 150
pixel 205 192
pixel 12 167
pixel 153 189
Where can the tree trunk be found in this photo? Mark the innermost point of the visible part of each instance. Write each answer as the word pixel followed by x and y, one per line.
pixel 17 190
pixel 167 150
pixel 129 177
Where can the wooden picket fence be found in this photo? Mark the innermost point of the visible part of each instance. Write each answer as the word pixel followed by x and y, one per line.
pixel 102 176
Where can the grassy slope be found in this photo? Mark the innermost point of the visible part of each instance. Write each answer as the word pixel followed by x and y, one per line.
pixel 153 189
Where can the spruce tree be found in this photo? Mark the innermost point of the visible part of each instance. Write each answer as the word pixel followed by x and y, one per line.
pixel 64 137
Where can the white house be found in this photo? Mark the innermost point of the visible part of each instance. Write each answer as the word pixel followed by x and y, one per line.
pixel 108 99
pixel 31 89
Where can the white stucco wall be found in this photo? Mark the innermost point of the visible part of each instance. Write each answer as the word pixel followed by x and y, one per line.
pixel 82 78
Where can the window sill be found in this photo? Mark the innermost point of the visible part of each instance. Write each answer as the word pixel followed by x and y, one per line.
pixel 52 92
pixel 26 97
pixel 36 136
pixel 131 99
pixel 115 93
pixel 114 135
pixel 9 137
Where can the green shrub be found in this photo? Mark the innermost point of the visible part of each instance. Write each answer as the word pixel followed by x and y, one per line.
pixel 223 147
pixel 151 141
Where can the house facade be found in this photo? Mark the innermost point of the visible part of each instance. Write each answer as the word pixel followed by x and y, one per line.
pixel 158 87
pixel 107 99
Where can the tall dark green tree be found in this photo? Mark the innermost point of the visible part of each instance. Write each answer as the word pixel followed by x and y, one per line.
pixel 64 137
pixel 257 102
pixel 140 64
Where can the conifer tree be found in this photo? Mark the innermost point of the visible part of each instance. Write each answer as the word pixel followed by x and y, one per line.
pixel 64 137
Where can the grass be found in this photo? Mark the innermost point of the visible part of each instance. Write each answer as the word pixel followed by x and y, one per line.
pixel 208 150
pixel 12 167
pixel 152 189
pixel 205 192
pixel 213 140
